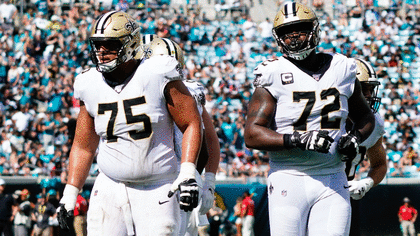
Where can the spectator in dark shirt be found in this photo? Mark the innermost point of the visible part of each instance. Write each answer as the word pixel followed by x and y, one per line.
pixel 8 208
pixel 43 210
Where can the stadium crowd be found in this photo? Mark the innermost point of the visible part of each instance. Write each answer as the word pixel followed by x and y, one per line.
pixel 45 46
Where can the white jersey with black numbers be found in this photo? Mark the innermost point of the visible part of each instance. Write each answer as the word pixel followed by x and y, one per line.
pixel 197 91
pixel 133 122
pixel 304 103
pixel 376 134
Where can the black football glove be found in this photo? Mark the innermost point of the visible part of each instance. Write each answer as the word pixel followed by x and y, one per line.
pixel 348 145
pixel 65 218
pixel 188 195
pixel 187 187
pixel 313 140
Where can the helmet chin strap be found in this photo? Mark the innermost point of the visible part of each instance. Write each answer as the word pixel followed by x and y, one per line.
pixel 107 67
pixel 300 55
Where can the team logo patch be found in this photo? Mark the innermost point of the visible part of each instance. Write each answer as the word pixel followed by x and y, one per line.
pixel 95 193
pixel 287 78
pixel 257 80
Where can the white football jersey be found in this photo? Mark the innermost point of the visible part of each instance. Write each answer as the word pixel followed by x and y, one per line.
pixel 376 134
pixel 133 122
pixel 304 103
pixel 197 91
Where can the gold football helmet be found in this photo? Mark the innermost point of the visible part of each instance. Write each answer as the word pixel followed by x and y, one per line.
pixel 163 46
pixel 369 81
pixel 299 24
pixel 146 39
pixel 119 30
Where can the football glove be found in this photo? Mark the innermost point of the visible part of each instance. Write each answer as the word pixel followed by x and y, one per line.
pixel 65 211
pixel 348 145
pixel 187 187
pixel 358 189
pixel 313 140
pixel 207 198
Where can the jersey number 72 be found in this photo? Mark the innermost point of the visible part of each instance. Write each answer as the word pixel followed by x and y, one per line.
pixel 326 123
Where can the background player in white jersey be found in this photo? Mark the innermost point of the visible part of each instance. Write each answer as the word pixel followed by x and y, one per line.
pixel 128 109
pixel 210 149
pixel 298 113
pixel 375 149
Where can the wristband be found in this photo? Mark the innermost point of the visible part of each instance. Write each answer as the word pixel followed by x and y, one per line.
pixel 187 170
pixel 69 197
pixel 287 141
pixel 210 179
pixel 369 181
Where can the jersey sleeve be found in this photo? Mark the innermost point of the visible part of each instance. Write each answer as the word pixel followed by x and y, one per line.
pixel 377 133
pixel 347 68
pixel 165 65
pixel 197 91
pixel 265 77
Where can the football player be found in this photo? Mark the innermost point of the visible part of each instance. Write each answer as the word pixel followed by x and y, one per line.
pixel 210 149
pixel 375 150
pixel 127 115
pixel 297 113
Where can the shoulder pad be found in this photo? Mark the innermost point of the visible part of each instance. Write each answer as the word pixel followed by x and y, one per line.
pixel 164 65
pixel 86 70
pixel 197 90
pixel 264 72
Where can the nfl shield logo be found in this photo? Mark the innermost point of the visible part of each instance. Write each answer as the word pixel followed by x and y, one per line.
pixel 317 77
pixel 284 193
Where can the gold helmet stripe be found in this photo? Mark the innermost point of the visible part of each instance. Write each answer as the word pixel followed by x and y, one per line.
pixel 171 48
pixel 101 22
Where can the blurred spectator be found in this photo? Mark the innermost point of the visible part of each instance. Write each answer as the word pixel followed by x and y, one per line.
pixel 407 215
pixel 215 215
pixel 22 221
pixel 395 170
pixel 247 214
pixel 236 216
pixel 8 209
pixel 80 212
pixel 8 11
pixel 42 212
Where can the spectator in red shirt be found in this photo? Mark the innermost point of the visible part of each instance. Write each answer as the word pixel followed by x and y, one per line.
pixel 407 216
pixel 247 214
pixel 80 223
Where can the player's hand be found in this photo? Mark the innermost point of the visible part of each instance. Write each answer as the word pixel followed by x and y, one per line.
pixel 64 217
pixel 358 189
pixel 187 187
pixel 66 208
pixel 313 140
pixel 348 145
pixel 207 198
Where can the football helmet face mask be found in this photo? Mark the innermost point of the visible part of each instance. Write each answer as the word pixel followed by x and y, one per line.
pixel 115 39
pixel 163 46
pixel 296 30
pixel 370 84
